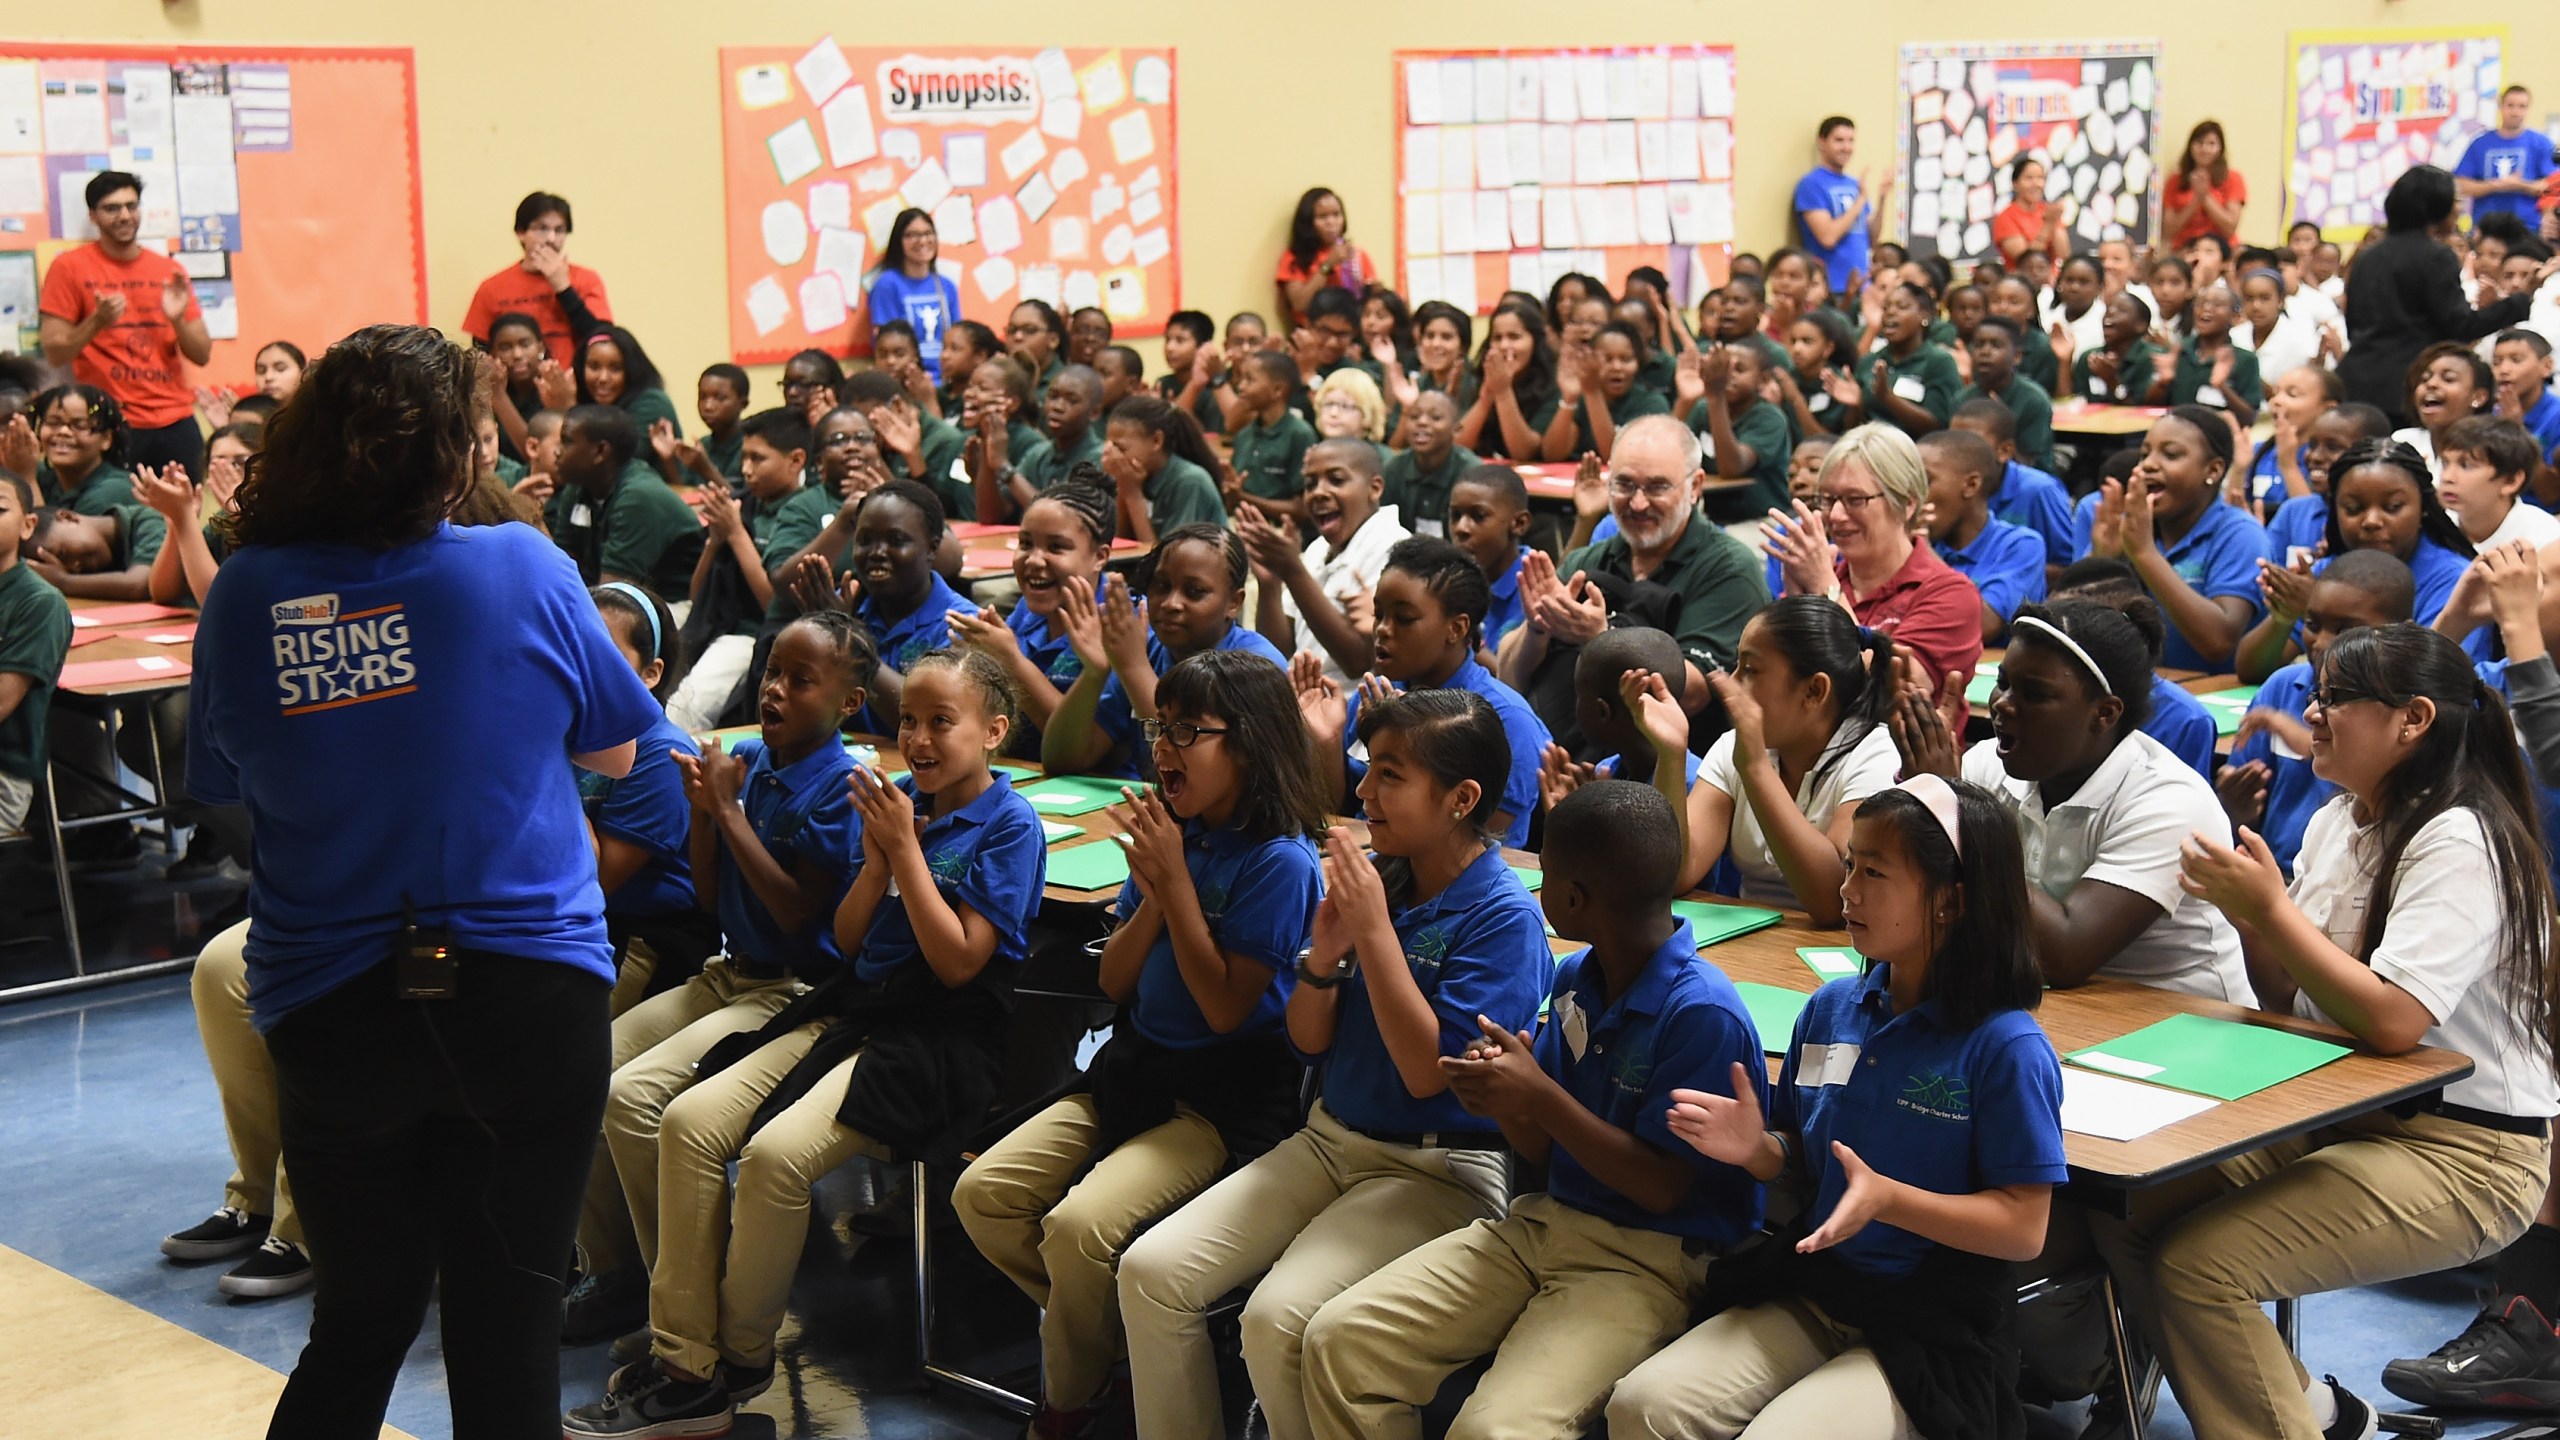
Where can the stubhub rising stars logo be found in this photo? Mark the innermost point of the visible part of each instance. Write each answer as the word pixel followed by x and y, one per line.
pixel 327 661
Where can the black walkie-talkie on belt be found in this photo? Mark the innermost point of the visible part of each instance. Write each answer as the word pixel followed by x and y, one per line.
pixel 425 955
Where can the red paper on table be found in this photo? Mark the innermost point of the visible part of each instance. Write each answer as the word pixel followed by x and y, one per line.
pixel 998 557
pixel 86 637
pixel 974 530
pixel 132 614
pixel 100 674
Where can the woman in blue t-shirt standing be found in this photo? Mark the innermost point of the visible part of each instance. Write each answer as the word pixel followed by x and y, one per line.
pixel 399 705
pixel 907 287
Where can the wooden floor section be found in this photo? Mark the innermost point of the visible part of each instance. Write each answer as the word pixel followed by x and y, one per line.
pixel 104 1369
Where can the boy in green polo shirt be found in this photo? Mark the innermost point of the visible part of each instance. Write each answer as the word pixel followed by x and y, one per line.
pixel 1742 309
pixel 1574 431
pixel 35 634
pixel 720 399
pixel 98 557
pixel 2212 371
pixel 1123 374
pixel 1077 399
pixel 612 512
pixel 2014 300
pixel 1187 335
pixel 916 446
pixel 748 543
pixel 1419 478
pixel 1271 440
pixel 1995 373
pixel 2126 369
pixel 1748 440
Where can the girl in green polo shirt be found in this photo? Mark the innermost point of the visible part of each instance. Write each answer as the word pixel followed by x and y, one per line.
pixel 1909 382
pixel 2127 369
pixel 1515 386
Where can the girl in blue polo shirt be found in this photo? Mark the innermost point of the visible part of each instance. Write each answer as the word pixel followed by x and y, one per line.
pixel 641 821
pixel 1919 1114
pixel 1065 537
pixel 1198 1073
pixel 1407 952
pixel 898 1053
pixel 906 605
pixel 774 843
pixel 2382 496
pixel 1430 599
pixel 2197 556
pixel 1193 582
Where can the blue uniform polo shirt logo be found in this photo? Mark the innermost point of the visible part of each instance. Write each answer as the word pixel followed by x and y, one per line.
pixel 950 867
pixel 1065 665
pixel 1632 1071
pixel 1936 1095
pixel 909 652
pixel 1424 952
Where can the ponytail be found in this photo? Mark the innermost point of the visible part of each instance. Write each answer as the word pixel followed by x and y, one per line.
pixel 1179 432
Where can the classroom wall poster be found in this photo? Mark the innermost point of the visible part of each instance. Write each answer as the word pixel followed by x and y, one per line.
pixel 2090 109
pixel 1514 167
pixel 2368 104
pixel 1050 174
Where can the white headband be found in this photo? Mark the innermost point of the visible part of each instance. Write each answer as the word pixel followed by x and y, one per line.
pixel 2067 643
pixel 1939 798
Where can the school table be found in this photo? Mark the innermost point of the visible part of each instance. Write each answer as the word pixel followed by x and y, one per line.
pixel 991 547
pixel 2077 416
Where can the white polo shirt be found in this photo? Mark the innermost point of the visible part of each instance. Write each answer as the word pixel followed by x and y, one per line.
pixel 2441 944
pixel 1846 776
pixel 1353 572
pixel 2124 827
pixel 2525 521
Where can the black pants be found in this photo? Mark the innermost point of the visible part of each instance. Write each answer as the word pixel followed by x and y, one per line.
pixel 440 1143
pixel 178 444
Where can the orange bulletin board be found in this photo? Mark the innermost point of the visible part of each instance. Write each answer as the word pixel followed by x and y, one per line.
pixel 285 178
pixel 1050 175
pixel 1514 167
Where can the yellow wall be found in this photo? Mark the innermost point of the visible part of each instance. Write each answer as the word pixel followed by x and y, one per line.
pixel 615 105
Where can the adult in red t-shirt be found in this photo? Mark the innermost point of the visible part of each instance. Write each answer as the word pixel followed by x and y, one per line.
pixel 2205 196
pixel 567 299
pixel 1873 484
pixel 1320 254
pixel 2030 220
pixel 125 320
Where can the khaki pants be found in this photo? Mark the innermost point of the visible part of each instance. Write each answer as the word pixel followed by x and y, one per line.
pixel 1059 1237
pixel 246 1080
pixel 724 1265
pixel 2377 1198
pixel 1321 1212
pixel 1568 1302
pixel 654 1046
pixel 1770 1372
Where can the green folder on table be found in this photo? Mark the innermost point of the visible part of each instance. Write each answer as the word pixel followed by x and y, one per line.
pixel 1100 865
pixel 1074 794
pixel 1977 691
pixel 1714 923
pixel 2205 1056
pixel 1773 1013
pixel 2228 706
pixel 1053 831
pixel 1531 878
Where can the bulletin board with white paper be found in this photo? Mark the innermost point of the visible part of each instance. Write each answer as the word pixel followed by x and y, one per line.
pixel 2089 109
pixel 1514 167
pixel 1049 173
pixel 262 167
pixel 2368 104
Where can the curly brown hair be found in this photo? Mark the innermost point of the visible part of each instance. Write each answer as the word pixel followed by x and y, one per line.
pixel 374 448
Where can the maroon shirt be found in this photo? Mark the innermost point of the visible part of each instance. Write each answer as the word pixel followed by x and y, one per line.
pixel 1928 608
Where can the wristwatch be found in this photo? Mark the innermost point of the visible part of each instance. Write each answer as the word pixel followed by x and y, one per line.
pixel 1341 972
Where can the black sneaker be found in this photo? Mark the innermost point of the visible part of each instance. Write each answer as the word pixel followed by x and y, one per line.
pixel 644 1402
pixel 2508 1359
pixel 276 1267
pixel 2356 1420
pixel 746 1382
pixel 223 1234
pixel 602 1306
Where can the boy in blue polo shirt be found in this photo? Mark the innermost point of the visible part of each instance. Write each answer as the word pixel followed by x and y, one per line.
pixel 2026 497
pixel 1578 1285
pixel 1489 519
pixel 2522 363
pixel 775 844
pixel 2267 783
pixel 2005 562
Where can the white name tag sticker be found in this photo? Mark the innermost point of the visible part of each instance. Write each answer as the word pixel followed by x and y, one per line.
pixel 2209 396
pixel 1826 1064
pixel 1818 401
pixel 1909 387
pixel 1432 528
pixel 581 516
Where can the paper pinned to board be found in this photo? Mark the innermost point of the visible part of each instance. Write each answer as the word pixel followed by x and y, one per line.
pixel 822 306
pixel 955 220
pixel 1067 169
pixel 1062 119
pixel 823 70
pixel 928 186
pixel 794 149
pixel 994 277
pixel 1023 154
pixel 1133 137
pixel 767 305
pixel 1144 208
pixel 1151 80
pixel 1103 83
pixel 964 159
pixel 761 87
pixel 842 253
pixel 830 205
pixel 786 233
pixel 999 226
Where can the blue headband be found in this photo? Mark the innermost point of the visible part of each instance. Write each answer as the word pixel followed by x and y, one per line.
pixel 648 607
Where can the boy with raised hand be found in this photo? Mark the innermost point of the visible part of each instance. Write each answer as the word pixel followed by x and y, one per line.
pixel 1578 1285
pixel 35 634
pixel 916 446
pixel 1995 352
pixel 2005 562
pixel 1746 438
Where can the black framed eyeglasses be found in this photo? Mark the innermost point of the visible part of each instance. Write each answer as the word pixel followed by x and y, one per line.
pixel 1180 734
pixel 2330 697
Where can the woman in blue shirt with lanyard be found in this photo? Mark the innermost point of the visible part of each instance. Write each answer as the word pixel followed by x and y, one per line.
pixel 908 287
pixel 1919 1111
pixel 1197 1074
pixel 427 953
pixel 1408 951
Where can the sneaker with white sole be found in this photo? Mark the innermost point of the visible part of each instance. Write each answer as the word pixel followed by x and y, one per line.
pixel 644 1402
pixel 219 1236
pixel 2507 1359
pixel 2356 1420
pixel 276 1267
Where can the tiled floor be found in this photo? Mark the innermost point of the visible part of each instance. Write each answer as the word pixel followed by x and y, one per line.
pixel 109 1120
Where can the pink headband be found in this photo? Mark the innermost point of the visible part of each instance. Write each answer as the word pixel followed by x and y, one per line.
pixel 1939 798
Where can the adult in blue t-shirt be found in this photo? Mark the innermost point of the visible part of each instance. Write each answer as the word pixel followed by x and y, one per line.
pixel 2502 171
pixel 908 287
pixel 402 707
pixel 1832 209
